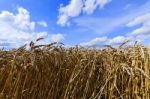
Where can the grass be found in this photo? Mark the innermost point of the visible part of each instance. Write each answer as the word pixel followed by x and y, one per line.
pixel 54 72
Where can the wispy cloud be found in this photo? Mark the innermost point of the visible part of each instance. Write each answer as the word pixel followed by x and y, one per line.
pixel 43 24
pixel 97 25
pixel 145 27
pixel 101 41
pixel 142 32
pixel 103 25
pixel 127 6
pixel 132 18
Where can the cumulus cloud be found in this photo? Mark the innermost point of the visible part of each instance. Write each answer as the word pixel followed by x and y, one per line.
pixel 76 7
pixel 18 29
pixel 43 24
pixel 71 10
pixel 21 20
pixel 90 6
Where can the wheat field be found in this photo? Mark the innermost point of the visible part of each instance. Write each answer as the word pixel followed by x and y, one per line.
pixel 55 72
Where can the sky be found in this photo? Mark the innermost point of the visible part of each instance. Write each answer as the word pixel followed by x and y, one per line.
pixel 92 23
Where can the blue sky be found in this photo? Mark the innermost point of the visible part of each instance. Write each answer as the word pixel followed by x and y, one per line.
pixel 82 22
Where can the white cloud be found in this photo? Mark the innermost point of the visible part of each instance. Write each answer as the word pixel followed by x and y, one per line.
pixel 22 19
pixel 43 24
pixel 71 10
pixel 56 37
pixel 101 41
pixel 102 3
pixel 75 7
pixel 139 34
pixel 49 37
pixel 96 42
pixel 91 5
pixel 118 40
pixel 106 25
pixel 144 21
pixel 18 29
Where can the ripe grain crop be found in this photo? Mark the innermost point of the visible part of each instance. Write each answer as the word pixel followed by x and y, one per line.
pixel 55 72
